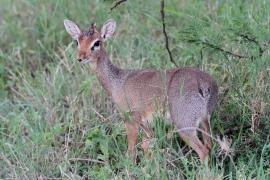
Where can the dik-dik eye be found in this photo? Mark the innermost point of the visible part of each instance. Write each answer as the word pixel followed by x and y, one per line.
pixel 96 45
pixel 75 43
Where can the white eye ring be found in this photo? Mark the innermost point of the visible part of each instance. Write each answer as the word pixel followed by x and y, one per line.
pixel 95 45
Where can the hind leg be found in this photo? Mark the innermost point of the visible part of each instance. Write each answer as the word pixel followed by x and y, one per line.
pixel 190 137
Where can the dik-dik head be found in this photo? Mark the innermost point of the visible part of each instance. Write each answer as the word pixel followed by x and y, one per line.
pixel 90 41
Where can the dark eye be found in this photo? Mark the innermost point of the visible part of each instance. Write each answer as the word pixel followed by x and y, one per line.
pixel 96 44
pixel 76 42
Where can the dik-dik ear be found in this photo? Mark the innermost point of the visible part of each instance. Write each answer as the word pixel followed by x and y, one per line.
pixel 72 29
pixel 108 29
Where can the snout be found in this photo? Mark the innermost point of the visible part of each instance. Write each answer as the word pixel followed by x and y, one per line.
pixel 83 61
pixel 84 57
pixel 81 56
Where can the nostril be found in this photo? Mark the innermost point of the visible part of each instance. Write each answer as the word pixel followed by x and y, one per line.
pixel 79 60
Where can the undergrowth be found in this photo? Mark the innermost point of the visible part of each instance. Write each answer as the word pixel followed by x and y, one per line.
pixel 57 122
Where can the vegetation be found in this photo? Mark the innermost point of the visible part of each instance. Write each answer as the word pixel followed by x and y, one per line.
pixel 57 122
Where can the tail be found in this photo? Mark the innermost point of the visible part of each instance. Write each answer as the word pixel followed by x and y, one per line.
pixel 209 92
pixel 204 90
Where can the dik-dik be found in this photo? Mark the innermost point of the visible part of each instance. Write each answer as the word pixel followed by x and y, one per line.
pixel 189 94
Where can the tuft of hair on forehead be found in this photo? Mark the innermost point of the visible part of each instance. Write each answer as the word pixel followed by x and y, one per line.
pixel 90 31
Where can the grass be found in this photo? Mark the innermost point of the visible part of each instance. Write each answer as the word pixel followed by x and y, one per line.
pixel 56 122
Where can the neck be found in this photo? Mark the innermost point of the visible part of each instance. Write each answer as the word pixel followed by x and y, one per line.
pixel 108 75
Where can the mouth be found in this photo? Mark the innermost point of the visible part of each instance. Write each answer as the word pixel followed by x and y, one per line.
pixel 86 61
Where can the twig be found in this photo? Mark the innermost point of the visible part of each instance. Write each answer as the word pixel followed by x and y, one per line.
pixel 165 33
pixel 222 50
pixel 117 4
pixel 230 130
pixel 254 40
pixel 103 119
pixel 87 160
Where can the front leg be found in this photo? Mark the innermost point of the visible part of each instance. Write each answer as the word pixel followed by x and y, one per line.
pixel 132 127
pixel 206 134
pixel 147 136
pixel 145 145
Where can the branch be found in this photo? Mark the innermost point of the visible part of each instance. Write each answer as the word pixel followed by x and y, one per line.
pixel 165 33
pixel 230 130
pixel 222 50
pixel 254 40
pixel 87 160
pixel 117 4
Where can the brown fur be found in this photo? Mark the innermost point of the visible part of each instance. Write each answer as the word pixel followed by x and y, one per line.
pixel 188 93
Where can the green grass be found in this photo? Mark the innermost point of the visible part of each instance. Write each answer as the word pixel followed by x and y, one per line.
pixel 54 113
